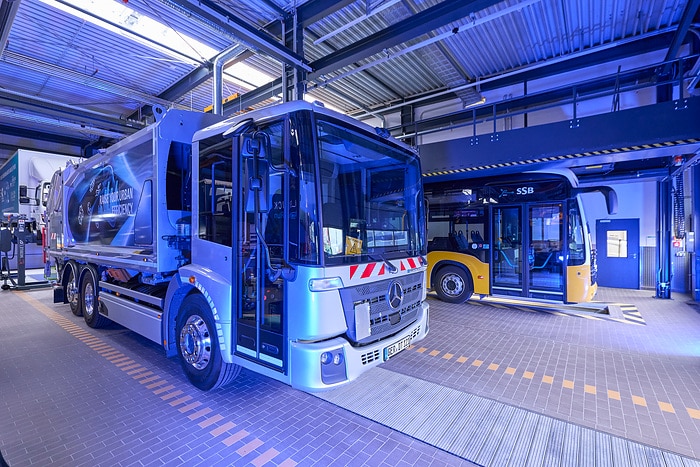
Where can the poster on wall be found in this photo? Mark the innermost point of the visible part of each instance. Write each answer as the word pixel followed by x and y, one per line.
pixel 9 188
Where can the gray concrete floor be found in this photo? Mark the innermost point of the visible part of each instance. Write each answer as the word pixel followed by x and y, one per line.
pixel 70 395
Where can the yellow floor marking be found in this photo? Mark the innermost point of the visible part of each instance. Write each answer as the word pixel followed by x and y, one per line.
pixel 589 389
pixel 211 420
pixel 613 395
pixel 199 413
pixel 265 457
pixel 235 437
pixel 150 380
pixel 637 400
pixel 510 371
pixel 421 350
pixel 528 375
pixel 181 400
pixel 156 384
pixel 462 359
pixel 222 429
pixel 448 356
pixel 250 447
pixel 666 407
pixel 434 353
pixel 170 395
pixel 189 407
pixel 548 379
pixel 163 389
pixel 694 413
pixel 477 362
pixel 142 374
pixel 493 367
pixel 568 384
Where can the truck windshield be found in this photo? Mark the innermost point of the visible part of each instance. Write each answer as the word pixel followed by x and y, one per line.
pixel 371 196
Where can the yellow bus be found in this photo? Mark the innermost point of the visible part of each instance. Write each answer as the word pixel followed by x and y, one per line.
pixel 520 235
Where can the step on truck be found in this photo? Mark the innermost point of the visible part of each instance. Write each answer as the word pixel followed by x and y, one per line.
pixel 289 241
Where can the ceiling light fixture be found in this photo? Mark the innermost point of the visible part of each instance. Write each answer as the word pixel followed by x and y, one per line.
pixel 120 19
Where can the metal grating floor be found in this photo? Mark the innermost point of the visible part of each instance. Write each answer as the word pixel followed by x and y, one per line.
pixel 487 432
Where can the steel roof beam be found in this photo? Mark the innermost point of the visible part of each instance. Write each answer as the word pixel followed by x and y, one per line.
pixel 691 9
pixel 426 21
pixel 33 134
pixel 309 13
pixel 67 112
pixel 253 97
pixel 256 39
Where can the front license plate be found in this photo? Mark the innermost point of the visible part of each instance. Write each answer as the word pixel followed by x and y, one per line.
pixel 396 347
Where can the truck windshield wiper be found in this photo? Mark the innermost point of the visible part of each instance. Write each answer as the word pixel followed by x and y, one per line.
pixel 392 269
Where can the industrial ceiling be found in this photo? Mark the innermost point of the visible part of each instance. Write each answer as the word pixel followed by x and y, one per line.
pixel 81 74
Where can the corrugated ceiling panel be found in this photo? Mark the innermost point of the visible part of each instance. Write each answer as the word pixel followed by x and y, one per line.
pixel 84 48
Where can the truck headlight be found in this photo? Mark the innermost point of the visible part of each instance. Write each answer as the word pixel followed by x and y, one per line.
pixel 326 283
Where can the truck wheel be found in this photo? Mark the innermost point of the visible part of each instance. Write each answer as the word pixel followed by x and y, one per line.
pixel 198 346
pixel 453 285
pixel 89 300
pixel 71 288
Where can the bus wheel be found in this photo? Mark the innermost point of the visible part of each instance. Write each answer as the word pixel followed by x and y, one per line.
pixel 89 298
pixel 71 288
pixel 453 285
pixel 198 346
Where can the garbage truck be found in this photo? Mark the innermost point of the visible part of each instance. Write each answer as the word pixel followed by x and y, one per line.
pixel 24 182
pixel 289 241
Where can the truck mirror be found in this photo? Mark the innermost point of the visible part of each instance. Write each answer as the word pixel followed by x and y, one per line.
pixel 45 189
pixel 23 198
pixel 257 194
pixel 255 149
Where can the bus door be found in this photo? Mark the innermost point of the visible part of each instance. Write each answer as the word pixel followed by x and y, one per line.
pixel 528 250
pixel 546 250
pixel 260 326
pixel 507 260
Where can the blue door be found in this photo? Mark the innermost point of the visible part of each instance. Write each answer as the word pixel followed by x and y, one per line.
pixel 617 245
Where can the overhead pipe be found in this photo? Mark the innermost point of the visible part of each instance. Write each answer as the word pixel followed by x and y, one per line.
pixel 219 62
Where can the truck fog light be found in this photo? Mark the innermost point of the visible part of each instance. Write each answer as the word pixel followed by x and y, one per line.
pixel 338 358
pixel 326 358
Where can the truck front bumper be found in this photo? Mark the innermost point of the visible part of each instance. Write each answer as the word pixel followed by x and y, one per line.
pixel 318 366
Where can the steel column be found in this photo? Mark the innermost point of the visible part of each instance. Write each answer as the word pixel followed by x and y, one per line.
pixel 664 209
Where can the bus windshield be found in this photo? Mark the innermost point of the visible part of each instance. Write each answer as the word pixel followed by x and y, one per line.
pixel 371 196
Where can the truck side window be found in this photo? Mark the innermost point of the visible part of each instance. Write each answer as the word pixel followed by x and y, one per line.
pixel 215 190
pixel 178 176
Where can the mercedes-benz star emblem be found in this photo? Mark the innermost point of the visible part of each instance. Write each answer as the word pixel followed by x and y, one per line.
pixel 395 295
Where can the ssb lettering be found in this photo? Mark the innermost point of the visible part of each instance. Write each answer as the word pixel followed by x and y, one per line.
pixel 525 190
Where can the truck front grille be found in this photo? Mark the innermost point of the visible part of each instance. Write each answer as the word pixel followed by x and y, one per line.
pixel 383 319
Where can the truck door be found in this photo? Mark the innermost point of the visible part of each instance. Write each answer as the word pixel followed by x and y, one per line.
pixel 260 324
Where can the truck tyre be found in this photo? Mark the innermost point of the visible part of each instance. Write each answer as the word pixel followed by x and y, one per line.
pixel 71 288
pixel 198 346
pixel 88 297
pixel 453 284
